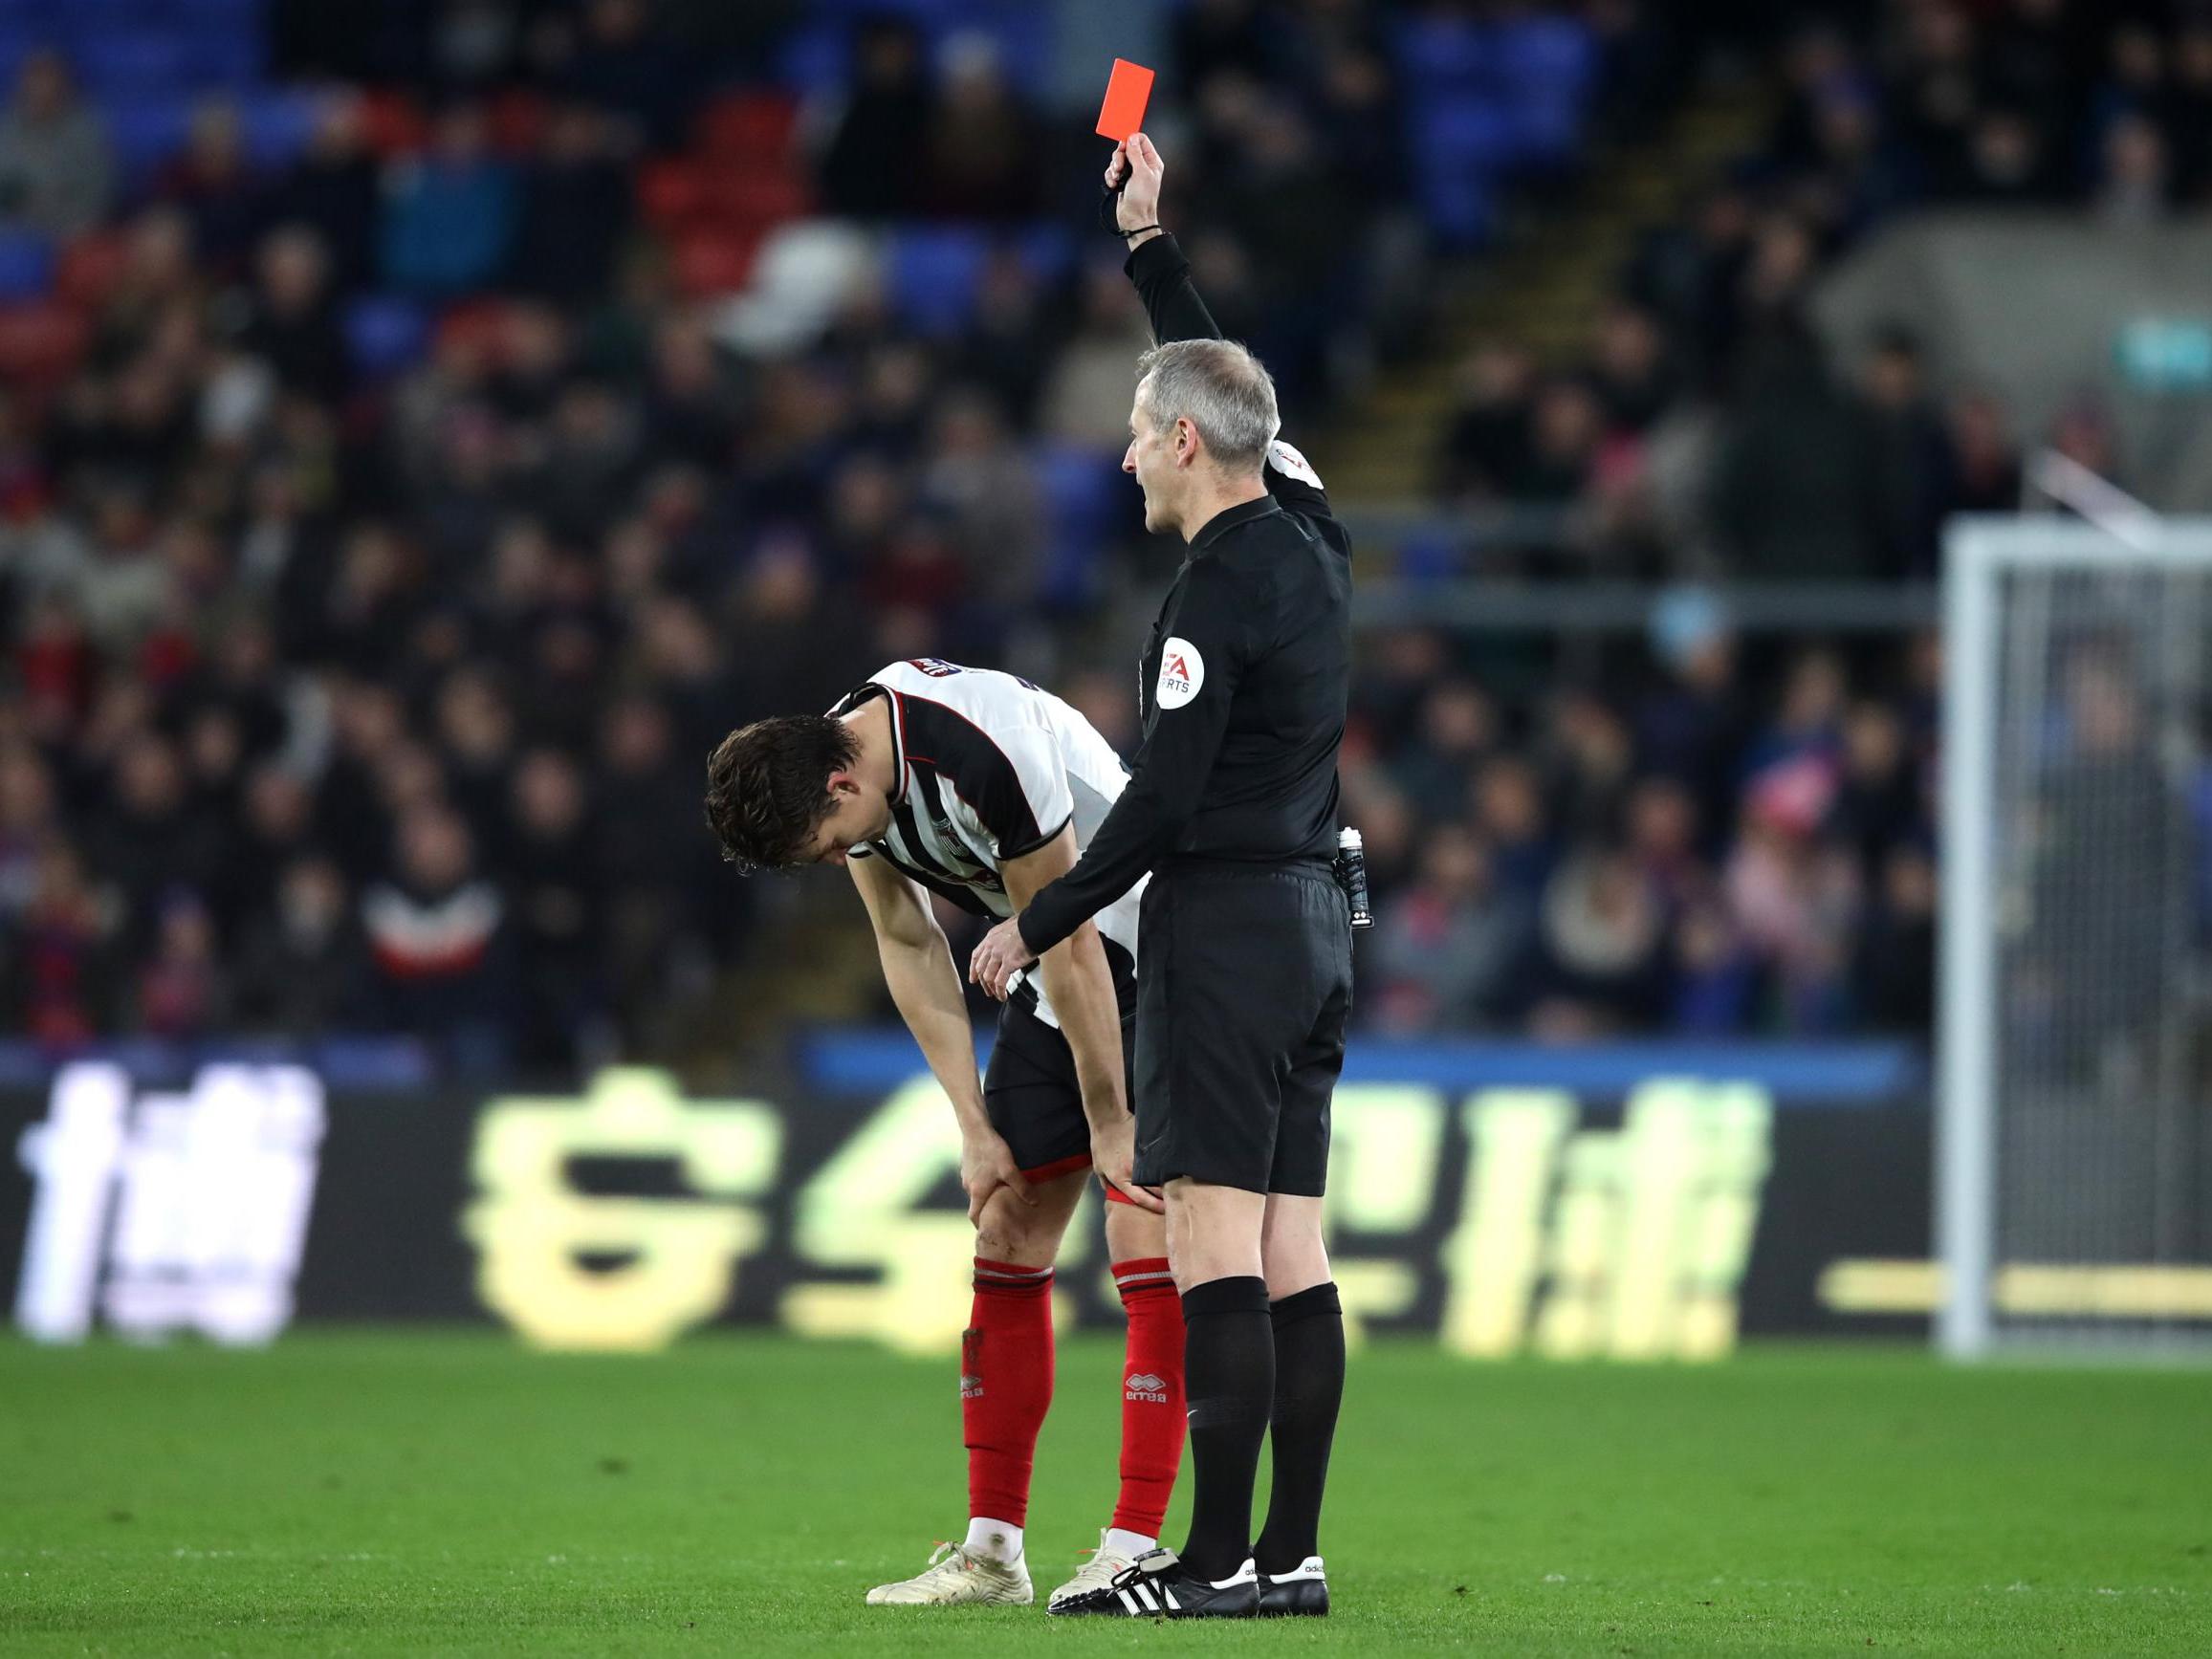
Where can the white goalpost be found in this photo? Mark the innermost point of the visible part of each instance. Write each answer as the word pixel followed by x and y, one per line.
pixel 2074 1131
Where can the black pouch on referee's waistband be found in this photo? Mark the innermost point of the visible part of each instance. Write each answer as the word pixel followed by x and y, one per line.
pixel 1349 867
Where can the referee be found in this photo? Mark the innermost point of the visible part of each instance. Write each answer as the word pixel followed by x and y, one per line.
pixel 1244 968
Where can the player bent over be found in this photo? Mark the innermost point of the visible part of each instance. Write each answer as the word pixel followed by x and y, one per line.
pixel 981 788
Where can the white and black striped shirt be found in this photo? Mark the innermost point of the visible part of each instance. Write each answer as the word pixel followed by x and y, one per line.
pixel 990 767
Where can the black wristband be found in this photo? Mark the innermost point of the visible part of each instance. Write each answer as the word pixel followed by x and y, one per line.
pixel 1142 228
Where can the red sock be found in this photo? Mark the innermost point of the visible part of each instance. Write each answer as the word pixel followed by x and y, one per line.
pixel 1151 1394
pixel 1005 1386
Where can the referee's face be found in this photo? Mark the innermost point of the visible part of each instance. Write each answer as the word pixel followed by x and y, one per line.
pixel 1153 463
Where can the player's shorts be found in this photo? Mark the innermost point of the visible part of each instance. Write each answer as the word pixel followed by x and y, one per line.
pixel 1242 1004
pixel 1031 1091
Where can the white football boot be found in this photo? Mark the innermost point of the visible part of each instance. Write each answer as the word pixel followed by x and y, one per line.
pixel 1095 1574
pixel 954 1578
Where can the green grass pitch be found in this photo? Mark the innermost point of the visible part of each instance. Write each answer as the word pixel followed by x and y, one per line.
pixel 384 1492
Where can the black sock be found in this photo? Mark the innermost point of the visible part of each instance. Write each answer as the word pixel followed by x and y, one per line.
pixel 1308 1388
pixel 1229 1384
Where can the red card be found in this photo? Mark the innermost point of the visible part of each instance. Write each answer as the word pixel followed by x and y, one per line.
pixel 1128 89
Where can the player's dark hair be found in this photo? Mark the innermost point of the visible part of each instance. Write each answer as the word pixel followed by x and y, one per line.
pixel 768 786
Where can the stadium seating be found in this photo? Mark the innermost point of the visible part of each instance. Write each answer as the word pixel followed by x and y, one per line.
pixel 26 265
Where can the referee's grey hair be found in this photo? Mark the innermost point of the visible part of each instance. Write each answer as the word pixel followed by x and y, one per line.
pixel 1220 388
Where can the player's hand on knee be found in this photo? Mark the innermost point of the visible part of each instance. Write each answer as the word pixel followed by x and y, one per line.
pixel 987 1164
pixel 1113 1154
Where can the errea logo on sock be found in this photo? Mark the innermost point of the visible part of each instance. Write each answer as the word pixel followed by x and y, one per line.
pixel 971 1387
pixel 1143 1385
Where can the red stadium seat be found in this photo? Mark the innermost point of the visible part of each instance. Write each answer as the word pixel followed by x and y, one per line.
pixel 86 272
pixel 752 202
pixel 41 343
pixel 516 122
pixel 670 194
pixel 479 322
pixel 752 127
pixel 711 262
pixel 394 125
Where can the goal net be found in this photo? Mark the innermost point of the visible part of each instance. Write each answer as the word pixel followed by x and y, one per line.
pixel 2074 1088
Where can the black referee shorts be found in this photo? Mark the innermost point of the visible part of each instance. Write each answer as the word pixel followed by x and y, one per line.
pixel 1243 989
pixel 1031 1092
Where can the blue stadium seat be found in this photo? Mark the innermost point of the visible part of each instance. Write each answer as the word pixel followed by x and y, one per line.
pixel 223 58
pixel 1084 496
pixel 933 270
pixel 277 126
pixel 17 42
pixel 146 133
pixel 26 265
pixel 1460 207
pixel 1548 133
pixel 385 334
pixel 132 64
pixel 1465 135
pixel 221 16
pixel 1555 54
pixel 1439 53
pixel 816 57
pixel 1047 249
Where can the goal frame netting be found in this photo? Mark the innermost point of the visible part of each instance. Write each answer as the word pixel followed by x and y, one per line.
pixel 1980 552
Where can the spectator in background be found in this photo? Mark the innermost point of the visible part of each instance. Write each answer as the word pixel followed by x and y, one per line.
pixel 441 945
pixel 2135 183
pixel 651 920
pixel 1792 490
pixel 1603 945
pixel 152 839
pixel 1489 443
pixel 1878 804
pixel 1896 971
pixel 1911 454
pixel 1630 374
pixel 1445 948
pixel 1088 383
pixel 332 190
pixel 55 176
pixel 30 820
pixel 869 171
pixel 981 147
pixel 635 73
pixel 1794 897
pixel 986 491
pixel 1985 473
pixel 293 325
pixel 579 176
pixel 183 990
pixel 2005 166
pixel 1508 802
pixel 559 906
pixel 214 187
pixel 2189 118
pixel 448 217
pixel 1459 729
pixel 1716 980
pixel 60 976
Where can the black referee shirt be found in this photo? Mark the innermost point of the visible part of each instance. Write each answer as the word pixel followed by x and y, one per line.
pixel 1244 680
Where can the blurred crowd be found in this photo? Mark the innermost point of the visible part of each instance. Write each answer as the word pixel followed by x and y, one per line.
pixel 389 525
pixel 1703 427
pixel 1702 839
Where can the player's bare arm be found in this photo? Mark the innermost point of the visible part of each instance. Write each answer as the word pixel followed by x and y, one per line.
pixel 924 984
pixel 1081 987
